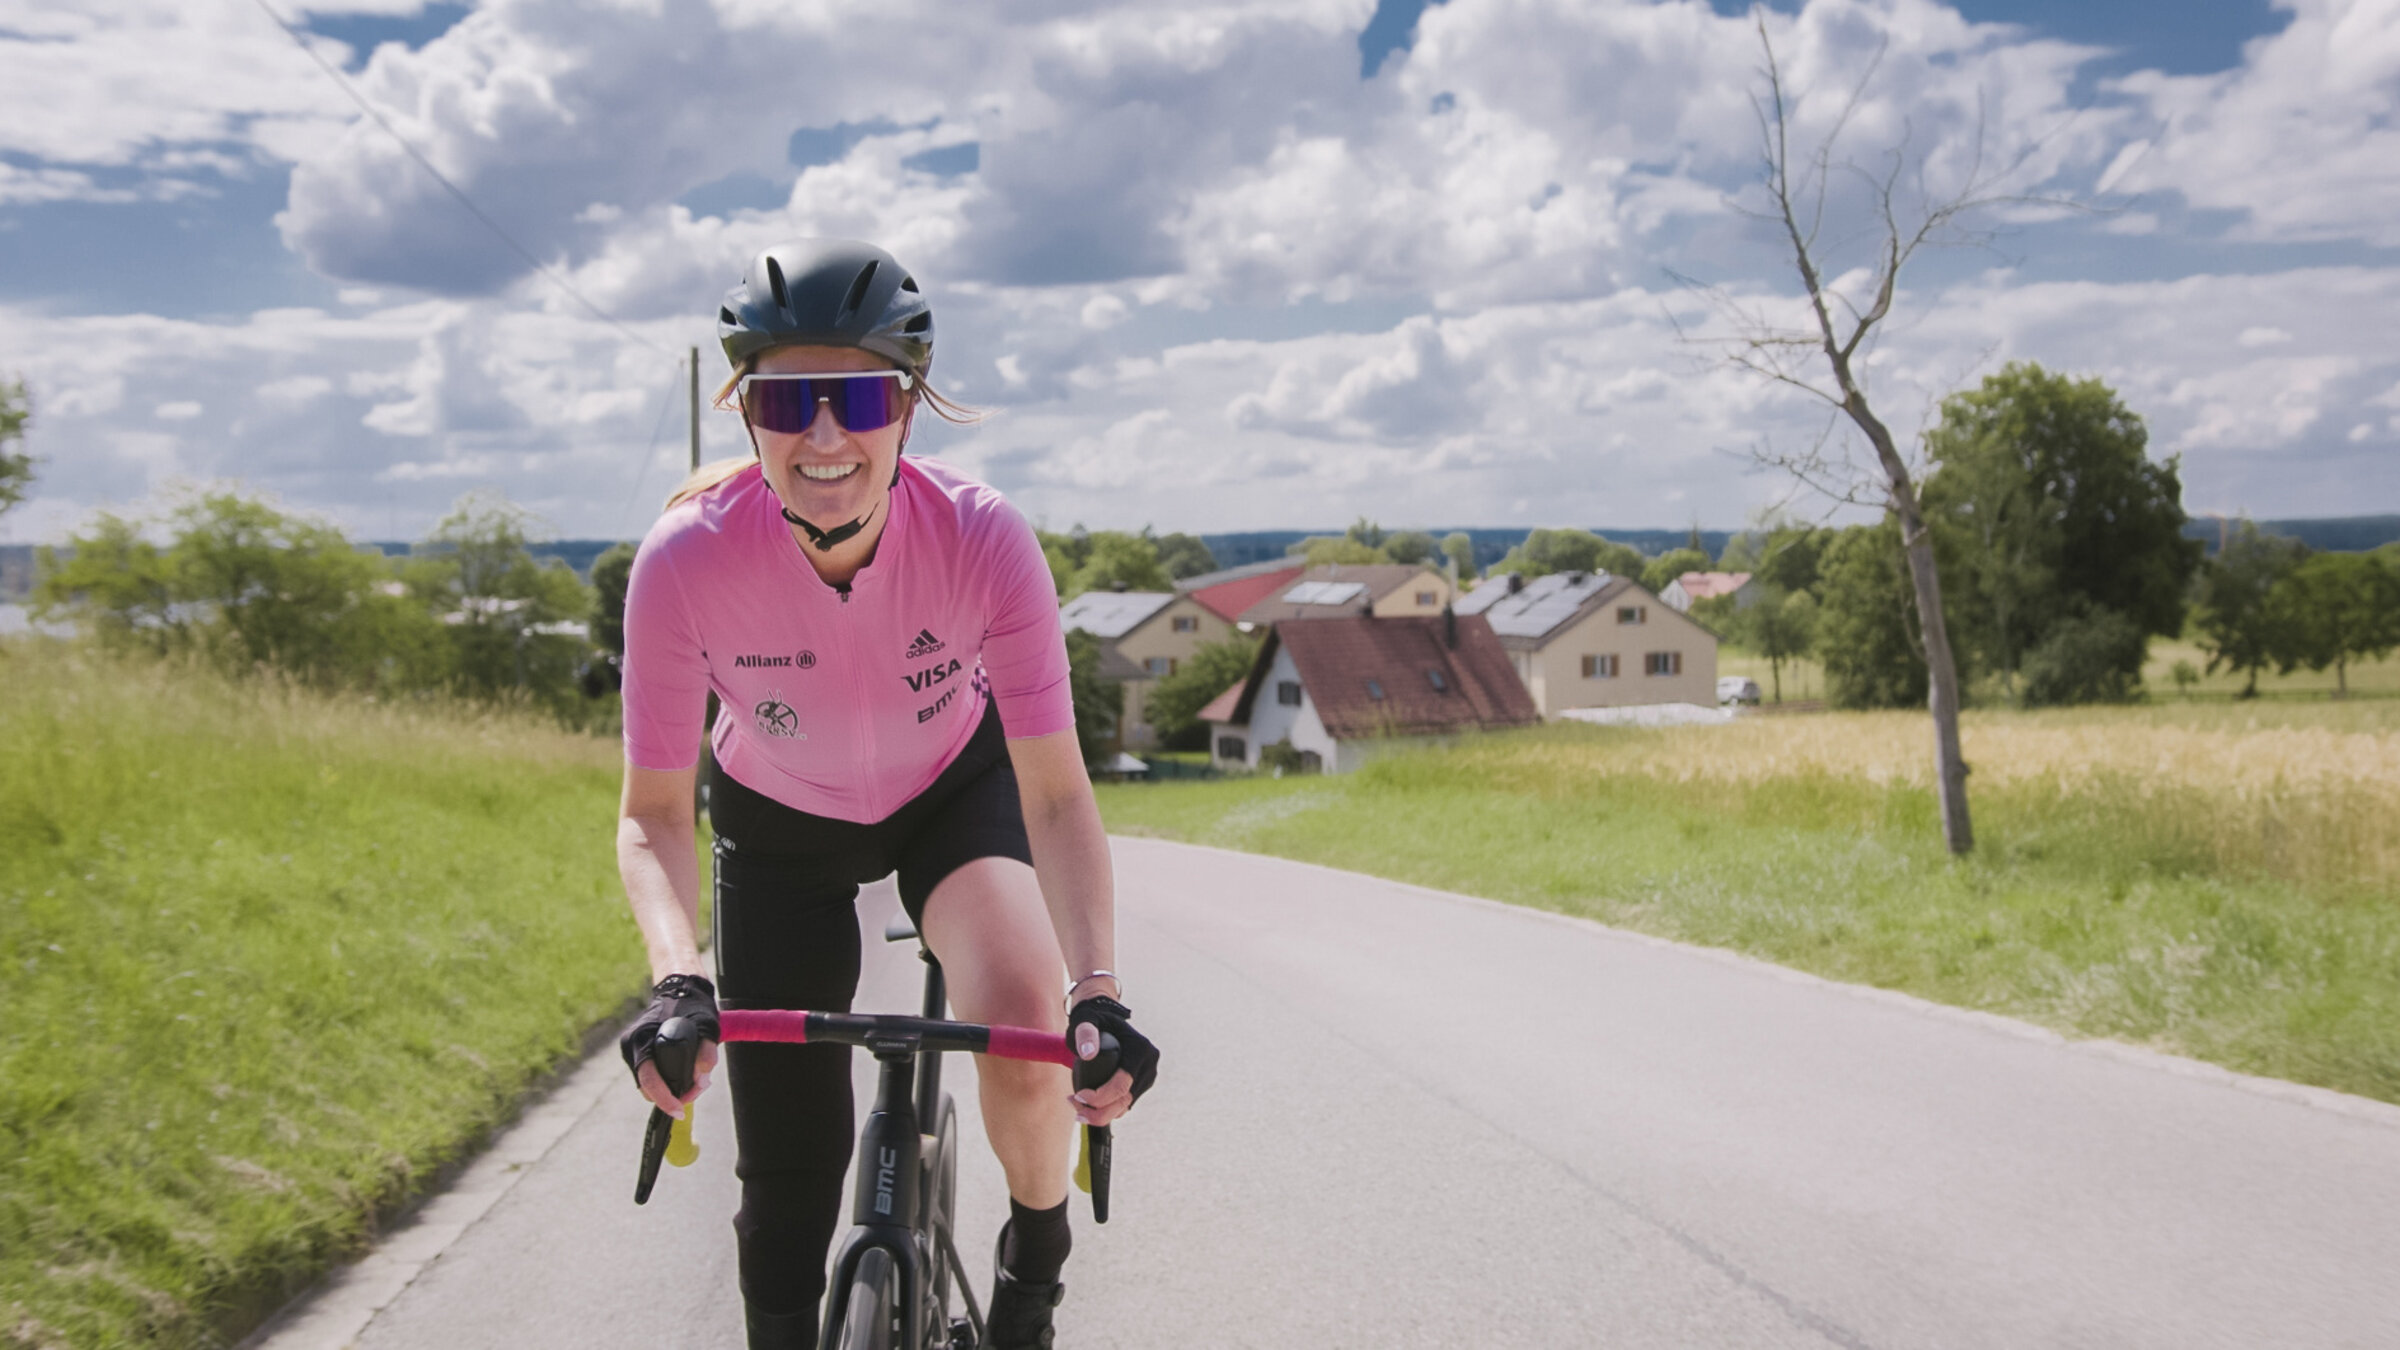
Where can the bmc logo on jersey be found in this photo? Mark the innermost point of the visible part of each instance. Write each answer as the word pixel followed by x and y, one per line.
pixel 932 675
pixel 925 645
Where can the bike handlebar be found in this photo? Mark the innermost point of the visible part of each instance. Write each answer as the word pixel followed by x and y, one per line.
pixel 884 1035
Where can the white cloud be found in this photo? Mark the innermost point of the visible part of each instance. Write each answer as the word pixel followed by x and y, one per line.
pixel 182 410
pixel 2300 138
pixel 1162 191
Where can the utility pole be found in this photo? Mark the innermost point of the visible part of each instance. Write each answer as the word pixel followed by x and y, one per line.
pixel 695 360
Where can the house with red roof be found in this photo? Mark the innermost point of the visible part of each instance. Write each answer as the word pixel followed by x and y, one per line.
pixel 1681 593
pixel 1228 592
pixel 1341 690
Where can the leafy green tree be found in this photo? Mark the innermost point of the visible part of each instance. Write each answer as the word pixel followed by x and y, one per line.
pixel 114 583
pixel 1866 627
pixel 2238 626
pixel 1324 549
pixel 1065 553
pixel 1671 564
pixel 1365 531
pixel 1185 555
pixel 1099 702
pixel 1460 549
pixel 16 466
pixel 1173 704
pixel 1779 625
pixel 1116 560
pixel 249 586
pixel 2046 505
pixel 1569 550
pixel 612 571
pixel 514 623
pixel 2334 608
pixel 2092 657
pixel 1410 546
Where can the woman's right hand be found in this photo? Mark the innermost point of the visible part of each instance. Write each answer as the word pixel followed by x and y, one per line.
pixel 694 1000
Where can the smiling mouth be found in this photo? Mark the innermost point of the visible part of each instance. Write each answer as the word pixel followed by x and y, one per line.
pixel 827 473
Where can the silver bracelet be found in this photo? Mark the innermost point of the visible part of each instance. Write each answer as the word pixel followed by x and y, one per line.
pixel 1093 976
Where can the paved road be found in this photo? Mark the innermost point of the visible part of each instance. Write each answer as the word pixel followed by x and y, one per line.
pixel 1395 1118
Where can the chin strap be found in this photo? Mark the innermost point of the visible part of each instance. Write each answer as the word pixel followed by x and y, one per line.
pixel 826 541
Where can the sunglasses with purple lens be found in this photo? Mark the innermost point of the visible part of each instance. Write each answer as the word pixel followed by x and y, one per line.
pixel 862 400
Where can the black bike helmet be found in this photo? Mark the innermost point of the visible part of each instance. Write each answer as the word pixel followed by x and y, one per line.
pixel 828 293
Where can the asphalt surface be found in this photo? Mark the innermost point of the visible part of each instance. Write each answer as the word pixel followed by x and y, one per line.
pixel 1389 1117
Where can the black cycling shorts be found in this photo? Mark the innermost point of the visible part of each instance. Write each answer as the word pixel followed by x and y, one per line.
pixel 787 937
pixel 971 811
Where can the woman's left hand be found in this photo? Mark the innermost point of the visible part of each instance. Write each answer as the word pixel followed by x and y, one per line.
pixel 1137 1059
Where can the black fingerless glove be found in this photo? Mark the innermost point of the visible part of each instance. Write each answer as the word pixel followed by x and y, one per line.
pixel 690 997
pixel 1135 1054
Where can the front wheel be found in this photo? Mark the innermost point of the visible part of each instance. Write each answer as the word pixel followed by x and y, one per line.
pixel 872 1320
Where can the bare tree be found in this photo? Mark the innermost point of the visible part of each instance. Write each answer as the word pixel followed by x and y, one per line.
pixel 1798 188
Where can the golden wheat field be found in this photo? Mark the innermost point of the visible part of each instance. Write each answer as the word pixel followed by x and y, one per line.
pixel 2302 791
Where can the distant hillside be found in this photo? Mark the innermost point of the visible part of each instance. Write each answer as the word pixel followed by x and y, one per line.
pixel 2334 534
pixel 1232 550
pixel 578 553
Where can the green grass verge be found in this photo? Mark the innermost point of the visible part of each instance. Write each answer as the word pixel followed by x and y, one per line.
pixel 2108 905
pixel 274 960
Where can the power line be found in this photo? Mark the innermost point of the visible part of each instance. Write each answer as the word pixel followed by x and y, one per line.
pixel 649 456
pixel 454 189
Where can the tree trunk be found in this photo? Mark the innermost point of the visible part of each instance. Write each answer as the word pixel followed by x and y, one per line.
pixel 2341 677
pixel 1941 666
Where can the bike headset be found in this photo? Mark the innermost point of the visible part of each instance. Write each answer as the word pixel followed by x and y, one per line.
pixel 828 293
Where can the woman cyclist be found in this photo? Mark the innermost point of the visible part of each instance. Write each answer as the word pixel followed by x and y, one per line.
pixel 882 634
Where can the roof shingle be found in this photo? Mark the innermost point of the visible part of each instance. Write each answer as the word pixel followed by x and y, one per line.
pixel 1396 677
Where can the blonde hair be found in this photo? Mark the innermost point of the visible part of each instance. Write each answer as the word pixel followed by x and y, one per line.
pixel 717 472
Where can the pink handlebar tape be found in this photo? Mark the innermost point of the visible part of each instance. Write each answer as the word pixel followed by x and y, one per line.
pixel 764 1024
pixel 1042 1047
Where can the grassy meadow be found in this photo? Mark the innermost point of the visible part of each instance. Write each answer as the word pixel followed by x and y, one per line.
pixel 2207 878
pixel 1804 679
pixel 275 960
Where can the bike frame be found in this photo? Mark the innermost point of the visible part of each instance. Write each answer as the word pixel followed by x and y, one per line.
pixel 891 1209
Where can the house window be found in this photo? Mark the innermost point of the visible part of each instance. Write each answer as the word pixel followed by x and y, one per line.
pixel 1287 693
pixel 1633 614
pixel 1601 667
pixel 1428 599
pixel 1233 747
pixel 1663 663
pixel 1440 682
pixel 1187 623
pixel 1159 665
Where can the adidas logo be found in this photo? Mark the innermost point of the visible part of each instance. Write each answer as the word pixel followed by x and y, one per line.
pixel 925 645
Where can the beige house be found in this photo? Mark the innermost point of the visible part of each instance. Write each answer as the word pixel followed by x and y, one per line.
pixel 1592 640
pixel 1347 590
pixel 1143 635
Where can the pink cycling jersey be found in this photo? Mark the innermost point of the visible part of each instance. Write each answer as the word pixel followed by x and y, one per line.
pixel 842 702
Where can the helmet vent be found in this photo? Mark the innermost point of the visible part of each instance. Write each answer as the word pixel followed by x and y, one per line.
pixel 918 324
pixel 858 291
pixel 726 316
pixel 775 283
pixel 908 283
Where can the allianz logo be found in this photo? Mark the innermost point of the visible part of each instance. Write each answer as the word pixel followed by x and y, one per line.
pixel 798 661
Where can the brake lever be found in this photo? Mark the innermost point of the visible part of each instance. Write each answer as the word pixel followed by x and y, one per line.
pixel 676 1052
pixel 1091 1171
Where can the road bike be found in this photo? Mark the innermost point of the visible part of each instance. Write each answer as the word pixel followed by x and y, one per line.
pixel 896 1270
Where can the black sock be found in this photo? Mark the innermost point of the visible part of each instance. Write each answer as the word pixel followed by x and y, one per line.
pixel 1038 1243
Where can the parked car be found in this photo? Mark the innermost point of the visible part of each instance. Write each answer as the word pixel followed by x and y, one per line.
pixel 1737 689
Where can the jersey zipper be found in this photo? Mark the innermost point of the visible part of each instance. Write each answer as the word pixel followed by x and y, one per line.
pixel 861 708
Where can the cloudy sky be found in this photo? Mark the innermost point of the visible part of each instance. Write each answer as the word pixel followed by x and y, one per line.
pixel 1237 265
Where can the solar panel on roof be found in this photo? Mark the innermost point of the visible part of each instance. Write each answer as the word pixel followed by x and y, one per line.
pixel 1325 592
